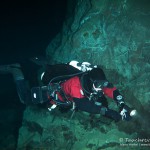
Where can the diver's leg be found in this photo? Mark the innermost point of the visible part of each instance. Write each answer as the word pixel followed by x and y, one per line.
pixel 14 69
pixel 23 89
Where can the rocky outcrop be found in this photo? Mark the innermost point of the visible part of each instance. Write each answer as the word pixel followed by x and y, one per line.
pixel 53 130
pixel 115 35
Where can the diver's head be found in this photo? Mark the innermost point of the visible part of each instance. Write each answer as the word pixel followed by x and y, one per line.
pixel 98 79
pixel 94 81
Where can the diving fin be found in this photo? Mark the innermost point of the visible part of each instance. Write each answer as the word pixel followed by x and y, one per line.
pixel 14 69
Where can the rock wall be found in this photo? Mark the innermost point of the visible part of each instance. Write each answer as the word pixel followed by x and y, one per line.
pixel 114 34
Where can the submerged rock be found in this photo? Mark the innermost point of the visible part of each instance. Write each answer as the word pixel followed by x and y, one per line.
pixel 112 34
pixel 59 132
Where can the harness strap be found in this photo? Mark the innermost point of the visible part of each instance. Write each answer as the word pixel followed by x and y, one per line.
pixel 55 89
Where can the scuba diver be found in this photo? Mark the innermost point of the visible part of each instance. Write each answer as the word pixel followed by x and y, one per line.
pixel 79 86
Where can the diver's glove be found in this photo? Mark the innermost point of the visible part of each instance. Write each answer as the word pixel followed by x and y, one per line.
pixel 127 113
pixel 123 114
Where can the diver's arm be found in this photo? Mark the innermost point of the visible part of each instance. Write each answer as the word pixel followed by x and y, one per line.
pixel 84 104
pixel 113 93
